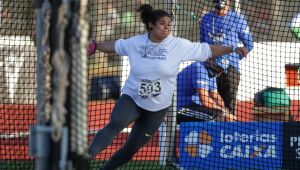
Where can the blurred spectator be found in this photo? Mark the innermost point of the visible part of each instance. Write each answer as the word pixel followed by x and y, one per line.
pixel 226 27
pixel 197 89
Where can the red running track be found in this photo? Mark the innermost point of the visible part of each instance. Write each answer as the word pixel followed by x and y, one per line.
pixel 16 119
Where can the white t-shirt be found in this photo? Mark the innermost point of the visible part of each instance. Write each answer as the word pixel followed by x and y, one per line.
pixel 154 67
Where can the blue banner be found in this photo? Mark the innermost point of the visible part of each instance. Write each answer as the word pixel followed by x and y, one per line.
pixel 291 145
pixel 230 145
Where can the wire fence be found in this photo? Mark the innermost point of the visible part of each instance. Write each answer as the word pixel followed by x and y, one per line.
pixel 265 135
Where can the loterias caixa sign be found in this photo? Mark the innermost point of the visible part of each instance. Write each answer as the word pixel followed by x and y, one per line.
pixel 239 145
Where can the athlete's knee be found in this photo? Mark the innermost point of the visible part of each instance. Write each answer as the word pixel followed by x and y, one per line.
pixel 115 126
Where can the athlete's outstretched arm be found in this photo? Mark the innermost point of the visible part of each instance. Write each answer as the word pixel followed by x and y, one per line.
pixel 218 50
pixel 106 47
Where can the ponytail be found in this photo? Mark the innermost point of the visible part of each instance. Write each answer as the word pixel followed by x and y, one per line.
pixel 148 14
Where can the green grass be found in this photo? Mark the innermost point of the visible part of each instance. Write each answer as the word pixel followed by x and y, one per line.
pixel 94 165
pixel 16 164
pixel 134 165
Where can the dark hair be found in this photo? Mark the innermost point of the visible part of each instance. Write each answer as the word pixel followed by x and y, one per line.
pixel 148 14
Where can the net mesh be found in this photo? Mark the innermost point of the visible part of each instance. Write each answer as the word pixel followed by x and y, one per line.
pixel 18 82
pixel 266 135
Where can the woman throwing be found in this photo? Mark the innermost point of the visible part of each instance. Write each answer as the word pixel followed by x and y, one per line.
pixel 154 58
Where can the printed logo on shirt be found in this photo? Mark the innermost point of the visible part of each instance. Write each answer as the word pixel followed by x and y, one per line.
pixel 246 30
pixel 148 135
pixel 154 53
pixel 218 38
pixel 202 82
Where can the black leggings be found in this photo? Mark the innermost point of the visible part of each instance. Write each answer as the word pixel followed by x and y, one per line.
pixel 124 113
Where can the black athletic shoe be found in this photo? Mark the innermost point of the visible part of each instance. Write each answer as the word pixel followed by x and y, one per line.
pixel 174 163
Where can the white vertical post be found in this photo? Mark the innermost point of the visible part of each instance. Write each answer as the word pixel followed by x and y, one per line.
pixel 167 130
pixel 237 6
pixel 162 143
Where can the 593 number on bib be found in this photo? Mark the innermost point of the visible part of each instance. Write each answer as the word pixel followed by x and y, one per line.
pixel 149 88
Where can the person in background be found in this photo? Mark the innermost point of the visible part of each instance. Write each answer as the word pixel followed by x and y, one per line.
pixel 295 26
pixel 197 89
pixel 226 27
pixel 154 58
pixel 198 98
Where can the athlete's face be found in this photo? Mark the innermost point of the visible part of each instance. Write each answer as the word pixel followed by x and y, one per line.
pixel 161 29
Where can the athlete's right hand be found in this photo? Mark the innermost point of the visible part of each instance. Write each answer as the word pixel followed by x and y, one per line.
pixel 242 51
pixel 92 46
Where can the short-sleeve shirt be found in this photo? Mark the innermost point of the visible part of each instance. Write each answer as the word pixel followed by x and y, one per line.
pixel 193 77
pixel 157 62
pixel 227 30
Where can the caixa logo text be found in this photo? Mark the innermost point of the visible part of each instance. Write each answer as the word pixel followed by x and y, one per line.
pixel 243 145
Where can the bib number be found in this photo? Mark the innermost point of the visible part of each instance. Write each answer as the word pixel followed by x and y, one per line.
pixel 149 88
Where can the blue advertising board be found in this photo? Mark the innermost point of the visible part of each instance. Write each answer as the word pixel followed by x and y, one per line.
pixel 291 145
pixel 230 145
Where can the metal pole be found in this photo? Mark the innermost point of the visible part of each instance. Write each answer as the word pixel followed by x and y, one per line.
pixel 169 153
pixel 39 139
pixel 237 6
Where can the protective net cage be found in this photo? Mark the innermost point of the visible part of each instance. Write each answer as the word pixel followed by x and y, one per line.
pixel 265 134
